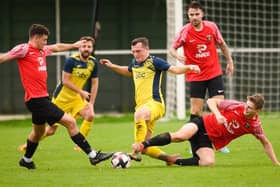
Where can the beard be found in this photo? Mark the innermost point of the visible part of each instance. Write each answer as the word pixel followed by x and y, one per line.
pixel 85 54
pixel 196 23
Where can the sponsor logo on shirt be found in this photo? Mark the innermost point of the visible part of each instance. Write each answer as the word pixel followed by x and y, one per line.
pixel 139 75
pixel 42 66
pixel 81 75
pixel 202 53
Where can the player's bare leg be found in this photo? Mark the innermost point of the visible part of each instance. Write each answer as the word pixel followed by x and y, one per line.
pixel 32 144
pixel 87 114
pixel 50 130
pixel 94 156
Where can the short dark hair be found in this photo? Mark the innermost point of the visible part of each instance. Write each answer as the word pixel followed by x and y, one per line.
pixel 195 5
pixel 88 38
pixel 38 29
pixel 257 99
pixel 143 40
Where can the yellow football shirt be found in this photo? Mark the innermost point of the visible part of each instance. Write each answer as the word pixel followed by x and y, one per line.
pixel 147 77
pixel 80 73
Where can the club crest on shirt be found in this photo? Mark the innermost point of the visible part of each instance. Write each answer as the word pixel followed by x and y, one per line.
pixel 139 75
pixel 247 125
pixel 151 67
pixel 208 37
pixel 149 64
pixel 81 74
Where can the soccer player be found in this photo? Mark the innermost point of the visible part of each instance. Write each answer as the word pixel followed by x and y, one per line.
pixel 229 120
pixel 69 94
pixel 147 74
pixel 199 39
pixel 32 65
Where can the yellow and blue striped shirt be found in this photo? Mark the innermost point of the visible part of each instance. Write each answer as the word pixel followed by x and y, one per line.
pixel 80 71
pixel 147 77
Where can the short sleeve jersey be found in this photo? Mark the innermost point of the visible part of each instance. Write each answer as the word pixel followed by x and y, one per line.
pixel 147 77
pixel 237 124
pixel 200 49
pixel 80 72
pixel 33 69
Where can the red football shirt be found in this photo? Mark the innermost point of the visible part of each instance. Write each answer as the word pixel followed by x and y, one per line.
pixel 200 49
pixel 33 69
pixel 237 124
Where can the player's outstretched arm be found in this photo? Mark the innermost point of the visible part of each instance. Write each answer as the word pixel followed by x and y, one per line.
pixel 123 70
pixel 65 46
pixel 269 150
pixel 5 58
pixel 181 69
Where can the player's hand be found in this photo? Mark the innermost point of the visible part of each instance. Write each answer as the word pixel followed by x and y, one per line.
pixel 194 68
pixel 106 62
pixel 79 43
pixel 221 119
pixel 84 94
pixel 277 164
pixel 229 69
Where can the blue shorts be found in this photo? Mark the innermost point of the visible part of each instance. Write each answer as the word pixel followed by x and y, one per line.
pixel 44 111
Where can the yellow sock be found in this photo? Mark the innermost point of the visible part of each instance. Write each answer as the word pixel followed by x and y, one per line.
pixel 154 152
pixel 85 127
pixel 140 130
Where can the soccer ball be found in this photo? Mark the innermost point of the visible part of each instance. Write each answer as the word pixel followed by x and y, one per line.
pixel 120 160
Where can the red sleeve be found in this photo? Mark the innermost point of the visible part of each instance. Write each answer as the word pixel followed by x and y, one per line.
pixel 18 51
pixel 181 37
pixel 258 130
pixel 48 50
pixel 217 35
pixel 230 104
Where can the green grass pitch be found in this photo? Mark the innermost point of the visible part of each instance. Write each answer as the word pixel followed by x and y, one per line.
pixel 59 165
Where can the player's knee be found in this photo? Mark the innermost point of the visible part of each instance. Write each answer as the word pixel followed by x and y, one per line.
pixel 141 114
pixel 71 123
pixel 196 110
pixel 89 117
pixel 207 162
pixel 50 132
pixel 68 121
pixel 138 115
pixel 72 127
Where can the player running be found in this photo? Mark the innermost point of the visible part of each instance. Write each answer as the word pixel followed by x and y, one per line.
pixel 32 65
pixel 147 71
pixel 69 94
